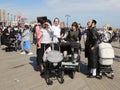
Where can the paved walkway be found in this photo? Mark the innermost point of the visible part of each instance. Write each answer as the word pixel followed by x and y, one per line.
pixel 18 72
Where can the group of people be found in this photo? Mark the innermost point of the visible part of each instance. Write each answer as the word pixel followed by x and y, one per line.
pixel 18 35
pixel 45 33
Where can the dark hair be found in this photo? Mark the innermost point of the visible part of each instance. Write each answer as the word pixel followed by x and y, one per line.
pixel 110 28
pixel 26 27
pixel 75 24
pixel 57 19
pixel 49 21
pixel 94 21
pixel 9 27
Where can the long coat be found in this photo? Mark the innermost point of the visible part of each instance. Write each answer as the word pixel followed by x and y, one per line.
pixel 92 41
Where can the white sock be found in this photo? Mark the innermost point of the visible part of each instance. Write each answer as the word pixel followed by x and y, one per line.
pixel 75 55
pixel 94 71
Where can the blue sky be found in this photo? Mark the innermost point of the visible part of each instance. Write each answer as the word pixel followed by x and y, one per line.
pixel 104 11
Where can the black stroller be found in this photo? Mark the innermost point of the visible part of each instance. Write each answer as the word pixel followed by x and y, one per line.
pixel 52 63
pixel 11 43
pixel 72 61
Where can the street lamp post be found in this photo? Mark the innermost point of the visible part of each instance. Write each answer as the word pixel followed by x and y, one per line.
pixel 8 17
pixel 14 19
pixel 11 20
pixel 67 16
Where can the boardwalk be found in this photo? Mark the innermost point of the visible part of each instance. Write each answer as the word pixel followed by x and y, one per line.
pixel 18 72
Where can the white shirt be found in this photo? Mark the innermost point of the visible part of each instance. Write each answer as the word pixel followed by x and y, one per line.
pixel 46 36
pixel 56 33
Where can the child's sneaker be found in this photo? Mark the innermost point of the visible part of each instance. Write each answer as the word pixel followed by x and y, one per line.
pixel 30 53
pixel 23 52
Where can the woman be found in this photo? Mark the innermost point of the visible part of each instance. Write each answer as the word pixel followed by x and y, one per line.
pixel 43 35
pixel 26 41
pixel 74 34
pixel 73 37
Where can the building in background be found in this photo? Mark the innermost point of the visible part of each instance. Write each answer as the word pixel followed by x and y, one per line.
pixel 2 17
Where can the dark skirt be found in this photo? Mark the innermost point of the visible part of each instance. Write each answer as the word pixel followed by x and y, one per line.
pixel 40 53
pixel 93 58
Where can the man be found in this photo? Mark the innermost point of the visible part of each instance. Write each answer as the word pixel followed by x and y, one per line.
pixel 91 48
pixel 56 30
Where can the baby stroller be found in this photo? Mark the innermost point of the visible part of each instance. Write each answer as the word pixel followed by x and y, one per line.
pixel 106 55
pixel 72 61
pixel 11 43
pixel 52 64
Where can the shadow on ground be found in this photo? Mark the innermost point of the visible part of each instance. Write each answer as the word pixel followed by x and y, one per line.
pixel 117 58
pixel 83 68
pixel 34 64
pixel 116 47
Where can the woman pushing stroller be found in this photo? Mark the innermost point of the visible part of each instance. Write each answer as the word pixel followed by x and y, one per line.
pixel 43 35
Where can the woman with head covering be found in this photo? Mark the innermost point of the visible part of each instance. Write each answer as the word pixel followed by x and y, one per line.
pixel 43 36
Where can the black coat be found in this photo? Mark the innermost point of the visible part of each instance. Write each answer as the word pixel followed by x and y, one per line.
pixel 92 41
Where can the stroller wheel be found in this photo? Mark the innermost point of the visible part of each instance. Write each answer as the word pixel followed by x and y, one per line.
pixel 6 49
pixel 100 76
pixel 60 80
pixel 47 77
pixel 112 75
pixel 60 77
pixel 78 68
pixel 15 49
pixel 72 74
pixel 48 81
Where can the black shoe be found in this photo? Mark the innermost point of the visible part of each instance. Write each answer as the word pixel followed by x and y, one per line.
pixel 42 74
pixel 88 73
pixel 91 76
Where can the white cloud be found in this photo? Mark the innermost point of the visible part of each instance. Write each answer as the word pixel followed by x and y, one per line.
pixel 66 5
